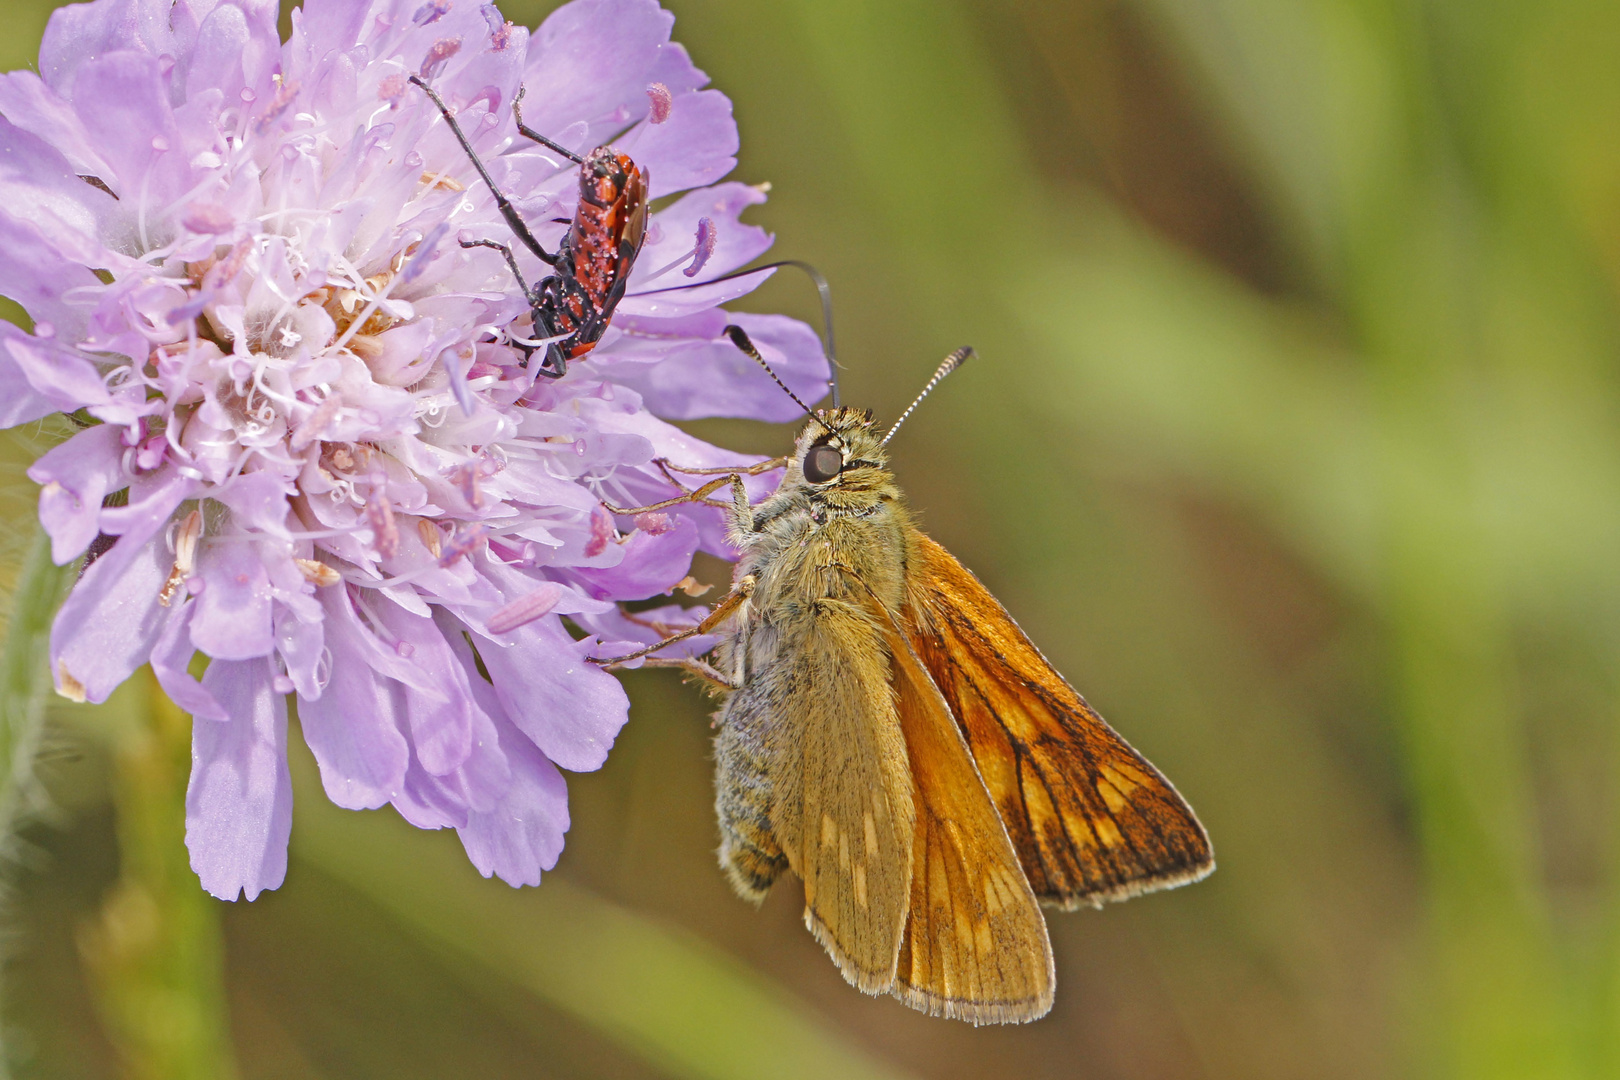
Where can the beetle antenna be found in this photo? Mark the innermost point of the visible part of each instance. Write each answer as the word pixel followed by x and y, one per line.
pixel 952 362
pixel 739 338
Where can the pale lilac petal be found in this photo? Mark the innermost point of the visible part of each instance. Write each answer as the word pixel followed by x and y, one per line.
pixel 28 103
pixel 591 57
pixel 571 708
pixel 75 477
pixel 350 727
pixel 697 144
pixel 20 402
pixel 239 801
pixel 654 556
pixel 258 502
pixel 78 33
pixel 152 499
pixel 237 47
pixel 233 609
pixel 674 68
pixel 523 834
pixel 440 724
pixel 670 235
pixel 426 802
pixel 35 276
pixel 121 99
pixel 108 624
pixel 170 655
pixel 300 646
pixel 67 381
pixel 701 378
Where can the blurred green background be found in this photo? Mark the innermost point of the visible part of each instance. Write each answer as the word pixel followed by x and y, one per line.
pixel 1292 442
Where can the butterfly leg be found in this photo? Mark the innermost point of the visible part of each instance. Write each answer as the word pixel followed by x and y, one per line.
pixel 706 672
pixel 752 470
pixel 739 507
pixel 724 610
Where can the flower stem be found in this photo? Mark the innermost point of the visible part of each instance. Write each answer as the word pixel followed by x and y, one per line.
pixel 24 685
pixel 155 955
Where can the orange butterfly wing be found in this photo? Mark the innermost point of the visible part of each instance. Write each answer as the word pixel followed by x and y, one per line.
pixel 975 945
pixel 1090 818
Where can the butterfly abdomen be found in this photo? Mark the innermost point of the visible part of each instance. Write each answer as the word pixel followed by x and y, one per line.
pixel 749 852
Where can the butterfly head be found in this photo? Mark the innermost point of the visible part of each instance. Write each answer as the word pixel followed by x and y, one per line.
pixel 841 448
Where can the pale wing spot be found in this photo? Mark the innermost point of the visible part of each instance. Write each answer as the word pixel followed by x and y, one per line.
pixel 982 943
pixel 1112 796
pixel 829 830
pixel 993 902
pixel 964 929
pixel 860 884
pixel 843 851
pixel 871 835
pixel 1116 784
pixel 1107 831
pixel 1125 776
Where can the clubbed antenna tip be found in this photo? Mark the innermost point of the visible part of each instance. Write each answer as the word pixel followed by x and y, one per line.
pixel 739 338
pixel 951 363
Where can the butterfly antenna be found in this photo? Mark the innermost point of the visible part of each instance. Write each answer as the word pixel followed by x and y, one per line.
pixel 821 287
pixel 739 338
pixel 826 321
pixel 952 362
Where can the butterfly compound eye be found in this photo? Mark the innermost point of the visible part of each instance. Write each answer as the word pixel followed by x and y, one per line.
pixel 822 463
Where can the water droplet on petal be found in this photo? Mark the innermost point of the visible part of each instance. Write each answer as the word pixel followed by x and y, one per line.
pixel 159 143
pixel 405 649
pixel 247 94
pixel 281 684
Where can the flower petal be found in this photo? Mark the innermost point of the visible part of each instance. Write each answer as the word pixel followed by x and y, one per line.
pixel 75 477
pixel 701 378
pixel 652 559
pixel 350 727
pixel 570 708
pixel 590 58
pixel 66 380
pixel 696 145
pixel 736 245
pixel 170 656
pixel 239 801
pixel 440 724
pixel 233 609
pixel 523 834
pixel 108 624
pixel 122 101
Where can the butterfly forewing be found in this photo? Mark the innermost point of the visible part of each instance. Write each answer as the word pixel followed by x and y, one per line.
pixel 975 946
pixel 848 834
pixel 1090 818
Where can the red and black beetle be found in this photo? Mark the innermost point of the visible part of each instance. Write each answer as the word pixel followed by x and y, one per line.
pixel 590 268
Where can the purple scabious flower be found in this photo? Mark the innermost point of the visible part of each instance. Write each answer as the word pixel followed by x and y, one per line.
pixel 308 449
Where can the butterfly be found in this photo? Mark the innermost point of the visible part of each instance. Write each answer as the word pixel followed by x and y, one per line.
pixel 891 737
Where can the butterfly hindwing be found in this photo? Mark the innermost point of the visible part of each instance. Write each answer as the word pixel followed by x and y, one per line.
pixel 1091 819
pixel 975 945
